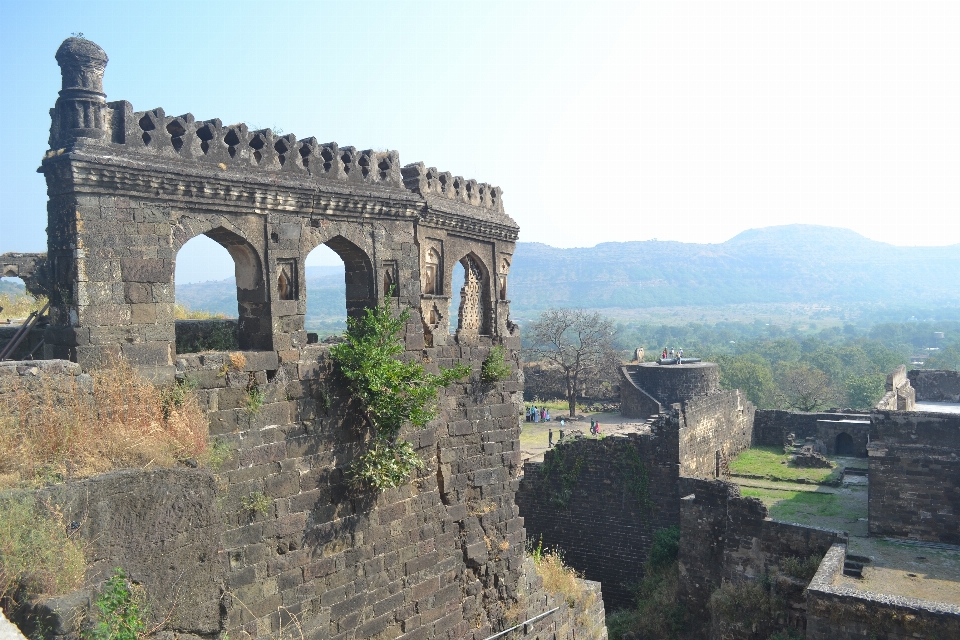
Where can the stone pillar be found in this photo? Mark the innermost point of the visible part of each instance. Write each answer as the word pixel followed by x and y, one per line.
pixel 80 109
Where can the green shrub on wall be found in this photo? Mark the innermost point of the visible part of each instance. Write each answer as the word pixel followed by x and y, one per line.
pixel 391 393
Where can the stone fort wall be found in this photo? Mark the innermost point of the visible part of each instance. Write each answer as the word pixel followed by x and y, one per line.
pixel 935 385
pixel 441 557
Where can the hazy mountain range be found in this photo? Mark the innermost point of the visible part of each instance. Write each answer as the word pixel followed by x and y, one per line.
pixel 787 264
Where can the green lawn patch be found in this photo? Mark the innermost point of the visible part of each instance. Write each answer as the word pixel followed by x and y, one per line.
pixel 841 509
pixel 772 463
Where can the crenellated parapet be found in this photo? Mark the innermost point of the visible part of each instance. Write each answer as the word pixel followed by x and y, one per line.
pixel 429 182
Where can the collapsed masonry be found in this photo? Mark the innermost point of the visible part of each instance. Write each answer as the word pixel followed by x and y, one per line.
pixel 442 557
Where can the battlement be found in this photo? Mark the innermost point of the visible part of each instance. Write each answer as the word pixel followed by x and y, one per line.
pixel 82 112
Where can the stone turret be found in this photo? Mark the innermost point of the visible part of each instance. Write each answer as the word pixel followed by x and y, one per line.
pixel 81 108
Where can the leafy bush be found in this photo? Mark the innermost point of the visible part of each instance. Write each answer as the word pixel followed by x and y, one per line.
pixel 122 611
pixel 255 502
pixel 37 554
pixel 801 568
pixel 742 608
pixel 665 547
pixel 391 393
pixel 495 367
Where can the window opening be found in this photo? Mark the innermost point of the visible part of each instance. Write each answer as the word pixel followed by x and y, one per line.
pixel 205 287
pixel 325 273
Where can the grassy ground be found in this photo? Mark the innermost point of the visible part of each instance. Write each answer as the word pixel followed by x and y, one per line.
pixel 842 508
pixel 773 463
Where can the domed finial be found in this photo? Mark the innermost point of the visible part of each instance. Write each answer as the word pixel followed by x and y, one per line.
pixel 80 108
pixel 81 63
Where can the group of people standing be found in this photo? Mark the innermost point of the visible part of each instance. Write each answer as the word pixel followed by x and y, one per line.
pixel 535 414
pixel 678 354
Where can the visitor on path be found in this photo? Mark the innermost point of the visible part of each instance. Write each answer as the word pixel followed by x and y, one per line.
pixel 593 426
pixel 550 438
pixel 536 415
pixel 663 356
pixel 671 354
pixel 679 356
pixel 596 428
pixel 543 414
pixel 547 418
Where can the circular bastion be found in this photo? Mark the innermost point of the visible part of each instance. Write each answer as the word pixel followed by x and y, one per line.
pixel 672 383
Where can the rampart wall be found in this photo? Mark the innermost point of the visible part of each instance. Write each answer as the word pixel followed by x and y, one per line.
pixel 935 385
pixel 726 538
pixel 439 557
pixel 713 431
pixel 771 426
pixel 914 489
pixel 601 501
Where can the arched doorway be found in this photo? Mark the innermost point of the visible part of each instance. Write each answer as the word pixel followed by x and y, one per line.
pixel 844 445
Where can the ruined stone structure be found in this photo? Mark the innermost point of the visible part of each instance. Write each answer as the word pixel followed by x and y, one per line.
pixel 900 396
pixel 441 557
pixel 648 387
pixel 842 432
pixel 915 476
pixel 936 385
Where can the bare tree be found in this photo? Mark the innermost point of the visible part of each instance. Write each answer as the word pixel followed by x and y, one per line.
pixel 577 342
pixel 805 388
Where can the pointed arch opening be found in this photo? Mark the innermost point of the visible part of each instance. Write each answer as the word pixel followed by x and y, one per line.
pixel 339 284
pixel 214 310
pixel 469 300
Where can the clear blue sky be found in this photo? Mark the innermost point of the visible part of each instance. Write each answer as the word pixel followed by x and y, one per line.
pixel 600 120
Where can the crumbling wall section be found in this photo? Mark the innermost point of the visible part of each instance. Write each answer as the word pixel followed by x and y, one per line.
pixel 601 501
pixel 771 426
pixel 914 489
pixel 726 538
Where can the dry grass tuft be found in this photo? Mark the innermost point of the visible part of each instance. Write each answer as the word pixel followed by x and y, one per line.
pixel 558 577
pixel 182 312
pixel 238 361
pixel 52 428
pixel 20 305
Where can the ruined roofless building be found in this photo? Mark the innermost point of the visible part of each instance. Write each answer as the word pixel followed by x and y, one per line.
pixel 127 189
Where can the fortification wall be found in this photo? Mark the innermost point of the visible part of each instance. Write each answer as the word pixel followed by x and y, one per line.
pixel 935 385
pixel 714 430
pixel 771 426
pixel 726 538
pixel 900 396
pixel 914 489
pixel 439 557
pixel 601 501
pixel 845 613
pixel 634 401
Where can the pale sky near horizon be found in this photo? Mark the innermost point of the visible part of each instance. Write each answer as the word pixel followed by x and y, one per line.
pixel 601 121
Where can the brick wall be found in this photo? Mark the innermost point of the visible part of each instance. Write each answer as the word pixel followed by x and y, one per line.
pixel 583 499
pixel 771 426
pixel 714 430
pixel 914 487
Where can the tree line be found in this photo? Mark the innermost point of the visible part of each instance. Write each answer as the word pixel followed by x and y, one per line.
pixel 801 367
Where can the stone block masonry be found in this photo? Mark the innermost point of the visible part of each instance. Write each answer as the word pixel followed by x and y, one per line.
pixel 844 613
pixel 296 545
pixel 600 502
pixel 914 487
pixel 935 385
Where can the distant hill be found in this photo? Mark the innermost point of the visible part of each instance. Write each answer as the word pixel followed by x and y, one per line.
pixel 794 263
pixel 787 264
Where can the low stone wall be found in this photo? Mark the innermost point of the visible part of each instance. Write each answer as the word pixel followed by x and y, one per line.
pixel 713 431
pixel 44 382
pixel 846 613
pixel 771 426
pixel 900 396
pixel 914 489
pixel 726 538
pixel 578 618
pixel 935 385
pixel 194 336
pixel 601 501
pixel 163 527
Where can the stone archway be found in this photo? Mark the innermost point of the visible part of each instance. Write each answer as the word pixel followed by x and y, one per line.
pixel 844 445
